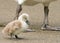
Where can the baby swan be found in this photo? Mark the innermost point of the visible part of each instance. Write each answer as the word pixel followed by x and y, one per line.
pixel 17 26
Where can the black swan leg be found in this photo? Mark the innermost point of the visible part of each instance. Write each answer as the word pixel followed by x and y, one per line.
pixel 45 25
pixel 45 22
pixel 18 10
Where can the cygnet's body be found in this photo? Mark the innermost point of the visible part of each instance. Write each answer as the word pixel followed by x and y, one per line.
pixel 17 26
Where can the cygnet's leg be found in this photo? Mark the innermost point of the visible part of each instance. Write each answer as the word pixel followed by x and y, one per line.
pixel 45 25
pixel 11 35
pixel 18 10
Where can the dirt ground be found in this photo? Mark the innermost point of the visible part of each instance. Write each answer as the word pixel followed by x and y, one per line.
pixel 36 13
pixel 34 37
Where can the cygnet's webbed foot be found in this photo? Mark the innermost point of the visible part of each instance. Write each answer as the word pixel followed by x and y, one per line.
pixel 16 37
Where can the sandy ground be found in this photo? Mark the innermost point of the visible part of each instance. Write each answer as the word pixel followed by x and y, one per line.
pixel 7 14
pixel 34 37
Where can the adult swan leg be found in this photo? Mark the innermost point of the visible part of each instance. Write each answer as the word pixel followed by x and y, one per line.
pixel 46 25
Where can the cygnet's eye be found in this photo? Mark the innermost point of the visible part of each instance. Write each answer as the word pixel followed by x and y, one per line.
pixel 25 18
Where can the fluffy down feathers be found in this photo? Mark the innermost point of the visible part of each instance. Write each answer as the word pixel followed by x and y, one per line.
pixel 16 26
pixel 12 27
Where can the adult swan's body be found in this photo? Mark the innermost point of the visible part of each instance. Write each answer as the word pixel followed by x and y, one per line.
pixel 46 12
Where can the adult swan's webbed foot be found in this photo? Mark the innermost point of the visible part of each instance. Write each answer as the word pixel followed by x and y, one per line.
pixel 47 27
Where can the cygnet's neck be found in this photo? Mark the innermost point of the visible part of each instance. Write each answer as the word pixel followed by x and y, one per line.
pixel 21 19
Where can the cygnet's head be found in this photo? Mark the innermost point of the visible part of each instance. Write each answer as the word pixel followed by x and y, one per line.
pixel 24 17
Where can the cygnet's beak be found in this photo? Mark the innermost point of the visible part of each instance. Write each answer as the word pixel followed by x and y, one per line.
pixel 27 22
